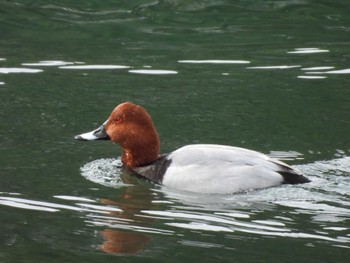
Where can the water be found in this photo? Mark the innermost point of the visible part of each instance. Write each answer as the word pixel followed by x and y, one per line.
pixel 266 75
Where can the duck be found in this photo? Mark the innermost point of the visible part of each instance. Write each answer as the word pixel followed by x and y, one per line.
pixel 200 168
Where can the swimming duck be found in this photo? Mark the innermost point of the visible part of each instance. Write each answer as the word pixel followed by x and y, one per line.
pixel 202 168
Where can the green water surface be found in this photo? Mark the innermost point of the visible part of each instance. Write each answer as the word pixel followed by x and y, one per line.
pixel 272 76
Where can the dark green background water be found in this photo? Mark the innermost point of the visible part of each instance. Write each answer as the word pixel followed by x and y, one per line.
pixel 274 104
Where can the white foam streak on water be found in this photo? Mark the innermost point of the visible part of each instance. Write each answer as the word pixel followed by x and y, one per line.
pixel 268 222
pixel 153 71
pixel 286 155
pixel 48 63
pixel 307 51
pixel 108 218
pixel 297 235
pixel 208 223
pixel 19 70
pixel 100 207
pixel 199 244
pixel 340 71
pixel 122 223
pixel 311 77
pixel 234 214
pixel 74 198
pixel 319 208
pixel 336 228
pixel 37 205
pixel 26 206
pixel 318 68
pixel 211 218
pixel 95 67
pixel 53 207
pixel 215 61
pixel 275 67
pixel 11 193
pixel 201 226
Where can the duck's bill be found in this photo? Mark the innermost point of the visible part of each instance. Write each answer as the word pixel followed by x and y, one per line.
pixel 98 134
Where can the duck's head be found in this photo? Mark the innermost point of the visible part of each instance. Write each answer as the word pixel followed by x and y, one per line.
pixel 131 127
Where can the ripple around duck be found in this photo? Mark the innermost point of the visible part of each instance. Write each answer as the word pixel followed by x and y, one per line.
pixel 286 155
pixel 105 171
pixel 207 222
pixel 276 212
pixel 325 200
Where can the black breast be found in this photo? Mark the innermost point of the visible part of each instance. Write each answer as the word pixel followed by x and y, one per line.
pixel 153 171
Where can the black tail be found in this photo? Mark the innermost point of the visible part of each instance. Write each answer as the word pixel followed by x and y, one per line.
pixel 293 177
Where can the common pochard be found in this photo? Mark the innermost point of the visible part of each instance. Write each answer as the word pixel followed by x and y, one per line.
pixel 203 168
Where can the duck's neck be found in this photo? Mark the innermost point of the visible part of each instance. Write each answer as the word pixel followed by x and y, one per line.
pixel 141 154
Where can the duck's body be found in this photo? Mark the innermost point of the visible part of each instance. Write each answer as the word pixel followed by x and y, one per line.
pixel 211 168
pixel 204 168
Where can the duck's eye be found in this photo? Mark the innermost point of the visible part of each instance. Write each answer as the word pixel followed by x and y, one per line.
pixel 117 120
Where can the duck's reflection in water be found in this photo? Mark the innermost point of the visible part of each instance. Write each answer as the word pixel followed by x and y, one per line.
pixel 120 242
pixel 131 200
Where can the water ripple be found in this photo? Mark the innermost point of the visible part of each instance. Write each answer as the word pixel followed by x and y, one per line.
pixel 307 51
pixel 48 63
pixel 214 61
pixel 19 70
pixel 312 77
pixel 90 16
pixel 216 223
pixel 39 205
pixel 105 171
pixel 276 212
pixel 275 67
pixel 153 71
pixel 95 67
pixel 286 155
